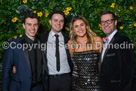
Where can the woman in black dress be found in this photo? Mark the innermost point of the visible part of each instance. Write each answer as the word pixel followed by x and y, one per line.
pixel 85 48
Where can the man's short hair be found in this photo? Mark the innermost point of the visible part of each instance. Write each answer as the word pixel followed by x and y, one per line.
pixel 30 15
pixel 57 12
pixel 108 12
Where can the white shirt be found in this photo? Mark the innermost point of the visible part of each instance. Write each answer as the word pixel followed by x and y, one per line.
pixel 105 44
pixel 51 58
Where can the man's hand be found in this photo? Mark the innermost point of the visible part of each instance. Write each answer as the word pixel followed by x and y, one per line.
pixel 14 69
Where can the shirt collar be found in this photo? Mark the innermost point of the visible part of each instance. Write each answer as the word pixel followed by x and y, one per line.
pixel 52 34
pixel 111 36
pixel 28 40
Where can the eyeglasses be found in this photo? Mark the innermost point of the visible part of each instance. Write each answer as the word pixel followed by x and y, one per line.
pixel 109 21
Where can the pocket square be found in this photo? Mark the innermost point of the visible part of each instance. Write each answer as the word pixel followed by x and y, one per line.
pixel 108 55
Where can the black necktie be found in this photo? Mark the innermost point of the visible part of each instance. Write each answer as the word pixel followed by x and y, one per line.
pixel 57 53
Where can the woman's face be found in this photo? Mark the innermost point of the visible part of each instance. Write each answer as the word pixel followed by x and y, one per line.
pixel 79 28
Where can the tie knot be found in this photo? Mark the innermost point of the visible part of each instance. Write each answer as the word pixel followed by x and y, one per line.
pixel 105 40
pixel 56 35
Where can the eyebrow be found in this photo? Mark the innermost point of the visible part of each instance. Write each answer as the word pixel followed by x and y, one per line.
pixel 31 23
pixel 107 20
pixel 81 23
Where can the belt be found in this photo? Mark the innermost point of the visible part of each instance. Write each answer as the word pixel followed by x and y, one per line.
pixel 36 84
pixel 59 75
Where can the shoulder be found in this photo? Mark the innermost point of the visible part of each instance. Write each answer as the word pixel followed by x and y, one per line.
pixel 17 40
pixel 12 44
pixel 98 43
pixel 43 36
pixel 98 39
pixel 69 42
pixel 122 37
pixel 66 36
pixel 69 46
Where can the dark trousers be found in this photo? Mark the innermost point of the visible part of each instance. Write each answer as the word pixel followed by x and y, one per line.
pixel 37 88
pixel 60 83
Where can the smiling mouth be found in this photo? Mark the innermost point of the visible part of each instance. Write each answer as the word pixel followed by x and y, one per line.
pixel 81 31
pixel 107 28
pixel 32 31
pixel 57 26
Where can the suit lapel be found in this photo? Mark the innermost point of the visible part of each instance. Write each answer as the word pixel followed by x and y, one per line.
pixel 66 39
pixel 26 54
pixel 65 42
pixel 27 58
pixel 112 43
pixel 44 62
pixel 44 54
pixel 44 38
pixel 108 47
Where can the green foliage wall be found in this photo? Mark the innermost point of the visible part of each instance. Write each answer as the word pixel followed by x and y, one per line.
pixel 12 11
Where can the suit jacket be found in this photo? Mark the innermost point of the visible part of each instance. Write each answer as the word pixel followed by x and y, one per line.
pixel 22 79
pixel 44 38
pixel 117 67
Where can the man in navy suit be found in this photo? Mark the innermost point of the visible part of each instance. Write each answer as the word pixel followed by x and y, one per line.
pixel 27 58
pixel 117 59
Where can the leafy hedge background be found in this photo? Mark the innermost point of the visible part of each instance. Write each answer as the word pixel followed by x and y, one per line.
pixel 12 12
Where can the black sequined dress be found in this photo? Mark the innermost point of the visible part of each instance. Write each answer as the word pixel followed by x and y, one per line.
pixel 85 76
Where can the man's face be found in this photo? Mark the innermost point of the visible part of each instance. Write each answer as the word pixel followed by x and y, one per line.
pixel 57 23
pixel 31 27
pixel 108 24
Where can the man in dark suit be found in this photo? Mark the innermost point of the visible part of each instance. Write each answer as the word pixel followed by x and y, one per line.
pixel 57 55
pixel 117 59
pixel 27 58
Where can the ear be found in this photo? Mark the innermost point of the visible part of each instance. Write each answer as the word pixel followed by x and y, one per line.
pixel 23 25
pixel 50 22
pixel 115 22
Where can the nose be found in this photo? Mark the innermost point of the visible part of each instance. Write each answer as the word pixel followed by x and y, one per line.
pixel 58 22
pixel 106 24
pixel 32 27
pixel 79 27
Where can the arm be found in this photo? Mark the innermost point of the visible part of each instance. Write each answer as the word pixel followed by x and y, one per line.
pixel 6 69
pixel 98 43
pixel 126 57
pixel 70 47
